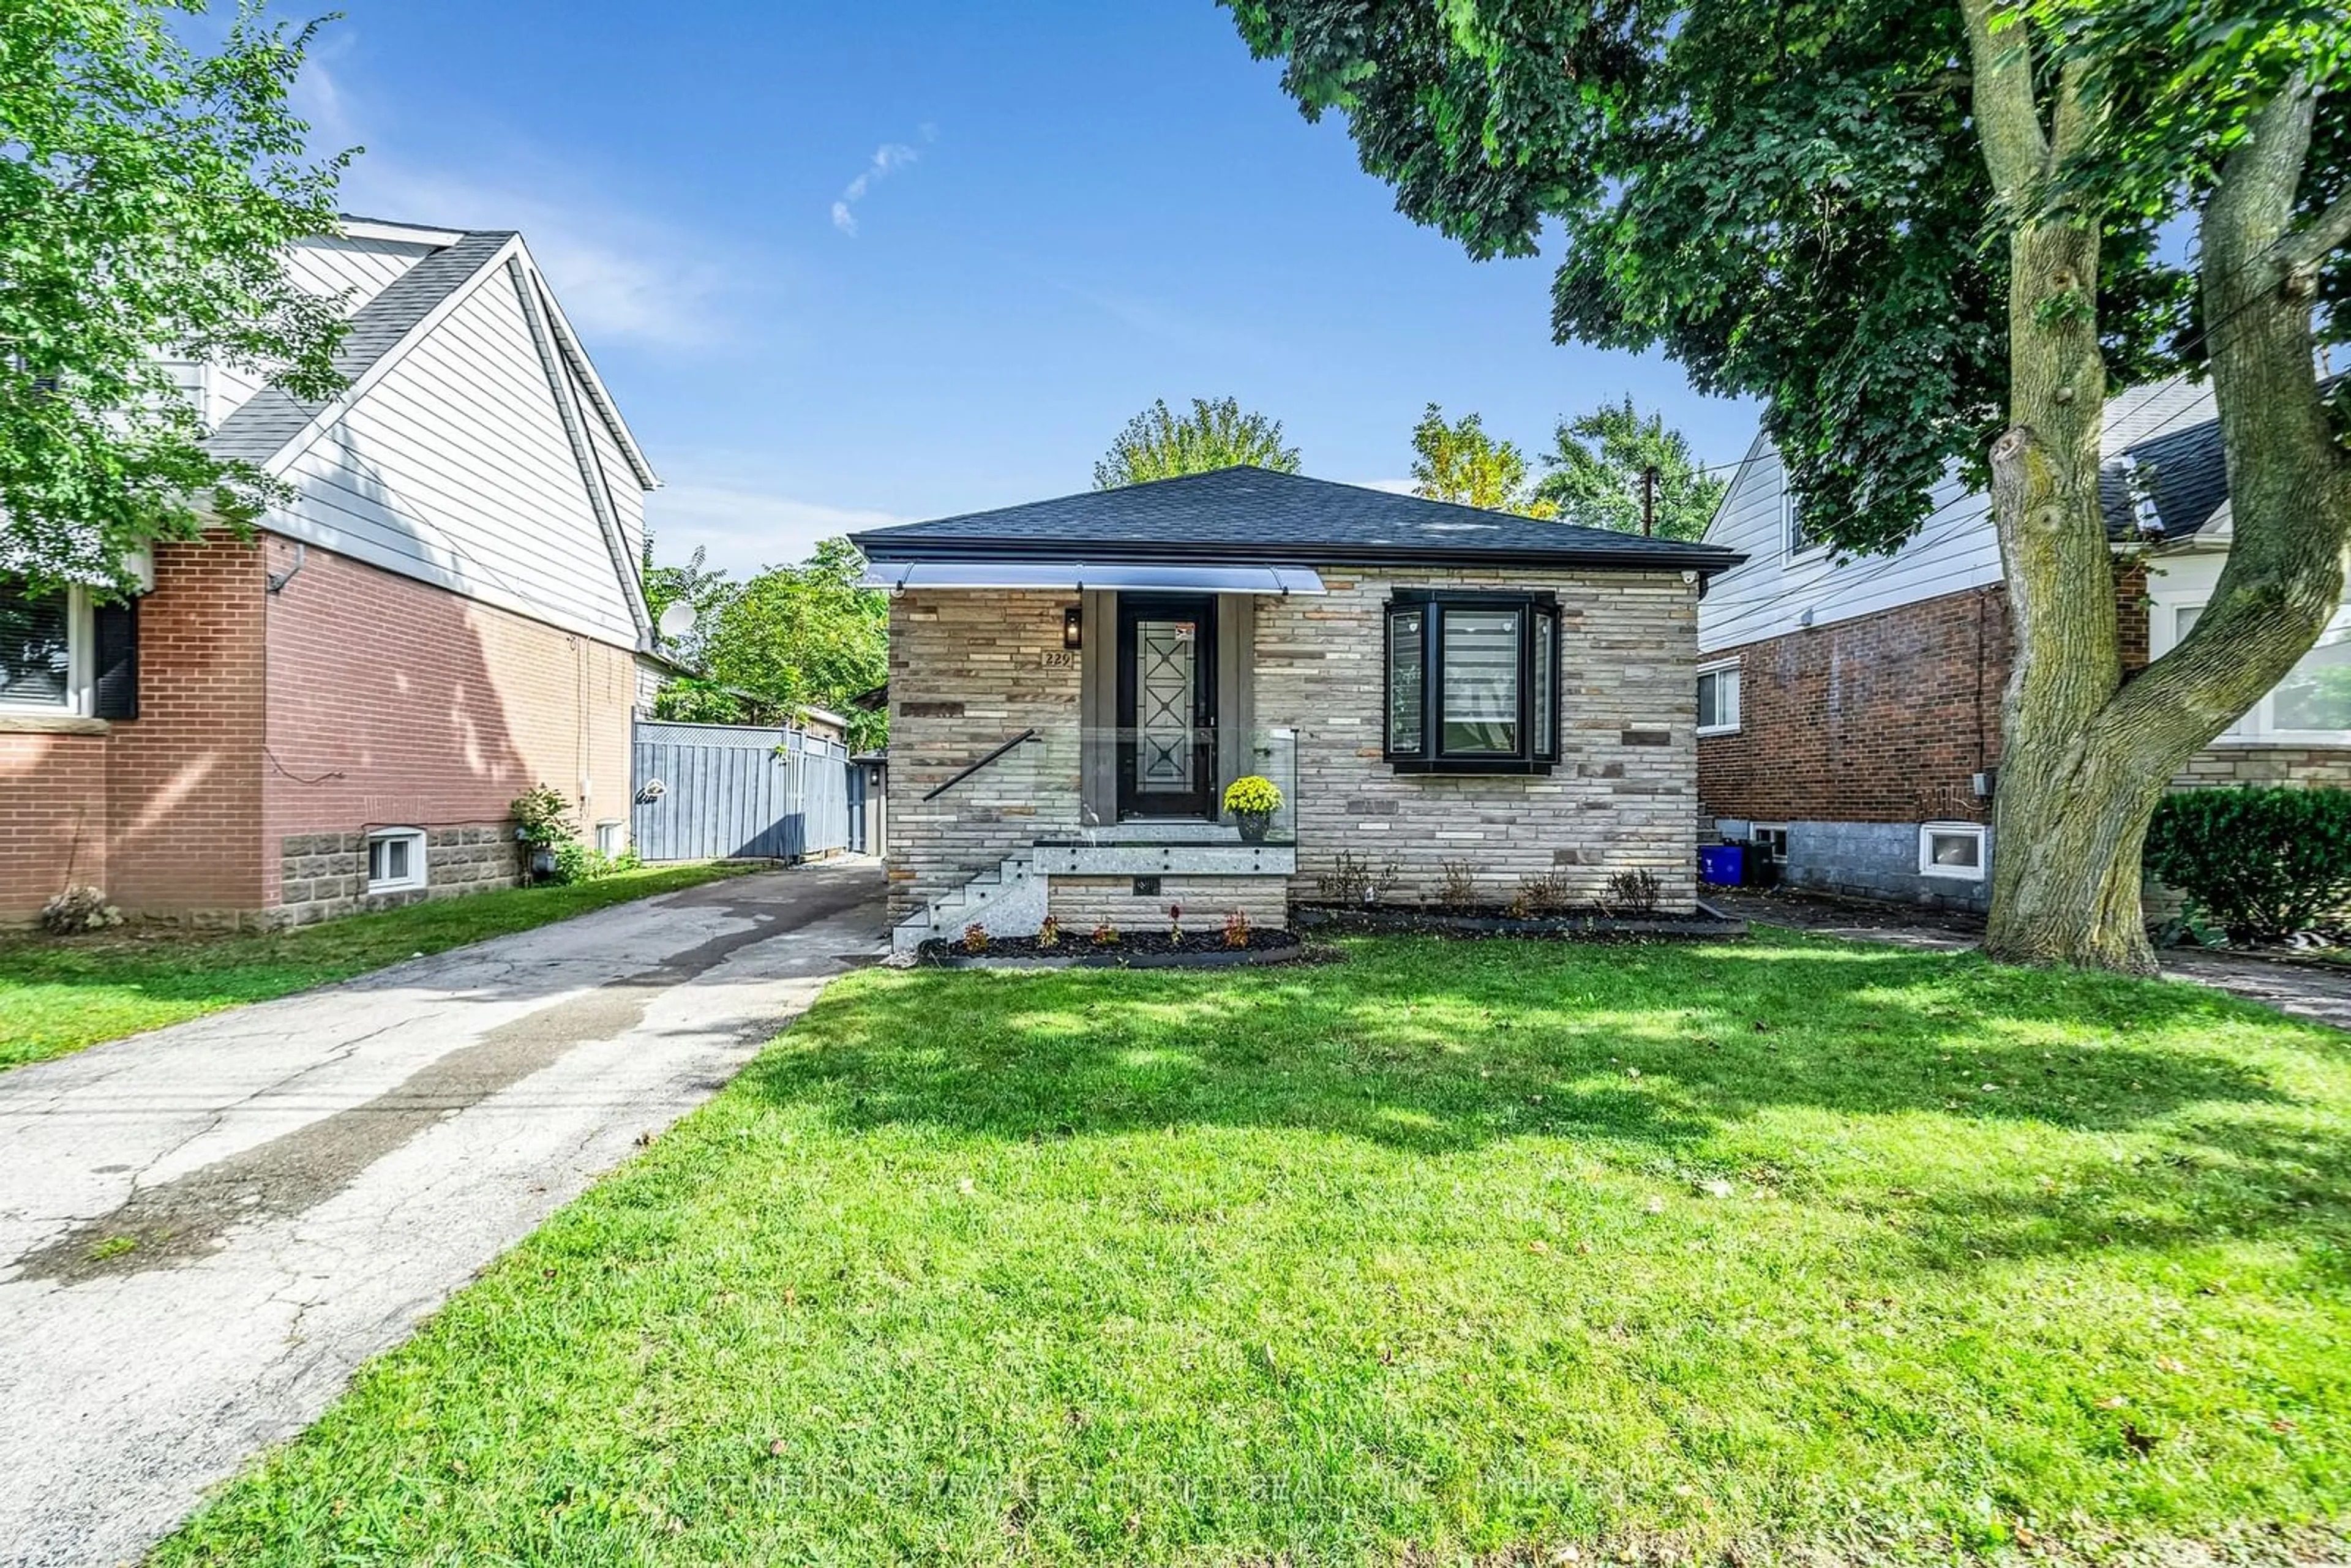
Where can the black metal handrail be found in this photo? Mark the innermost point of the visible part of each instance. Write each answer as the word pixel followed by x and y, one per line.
pixel 1021 739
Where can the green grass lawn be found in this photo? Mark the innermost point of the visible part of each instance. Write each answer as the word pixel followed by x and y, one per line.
pixel 1448 1250
pixel 60 994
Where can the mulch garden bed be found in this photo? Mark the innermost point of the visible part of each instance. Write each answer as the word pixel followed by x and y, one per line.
pixel 1584 925
pixel 1133 950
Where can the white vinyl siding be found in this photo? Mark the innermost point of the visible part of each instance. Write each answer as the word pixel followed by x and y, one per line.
pixel 455 467
pixel 619 480
pixel 363 267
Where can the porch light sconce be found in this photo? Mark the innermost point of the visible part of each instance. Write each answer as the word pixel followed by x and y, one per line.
pixel 1074 630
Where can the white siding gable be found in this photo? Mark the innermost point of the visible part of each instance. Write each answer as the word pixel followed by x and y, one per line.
pixel 1776 591
pixel 455 466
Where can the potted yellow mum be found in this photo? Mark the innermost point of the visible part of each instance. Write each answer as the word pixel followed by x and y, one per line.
pixel 1251 801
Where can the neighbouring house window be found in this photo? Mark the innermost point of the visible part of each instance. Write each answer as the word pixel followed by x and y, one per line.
pixel 1717 699
pixel 1954 850
pixel 40 651
pixel 1472 682
pixel 1801 541
pixel 395 858
pixel 608 838
pixel 2313 704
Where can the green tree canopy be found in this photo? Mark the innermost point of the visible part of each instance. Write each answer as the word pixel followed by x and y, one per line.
pixel 148 193
pixel 1597 468
pixel 1928 234
pixel 1460 462
pixel 1159 444
pixel 790 638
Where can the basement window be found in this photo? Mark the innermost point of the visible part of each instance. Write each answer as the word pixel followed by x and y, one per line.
pixel 1951 850
pixel 395 858
pixel 1472 683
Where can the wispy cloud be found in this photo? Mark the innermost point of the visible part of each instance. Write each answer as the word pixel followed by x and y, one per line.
pixel 620 272
pixel 739 521
pixel 889 156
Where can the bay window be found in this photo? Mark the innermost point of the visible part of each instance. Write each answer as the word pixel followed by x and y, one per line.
pixel 2312 705
pixel 1472 683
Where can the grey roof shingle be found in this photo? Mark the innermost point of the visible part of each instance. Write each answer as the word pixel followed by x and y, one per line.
pixel 2183 474
pixel 265 422
pixel 1258 516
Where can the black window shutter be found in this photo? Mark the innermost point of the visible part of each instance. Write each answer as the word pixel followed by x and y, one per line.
pixel 116 644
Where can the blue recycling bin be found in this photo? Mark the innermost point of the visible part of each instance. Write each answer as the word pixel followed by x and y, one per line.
pixel 1722 866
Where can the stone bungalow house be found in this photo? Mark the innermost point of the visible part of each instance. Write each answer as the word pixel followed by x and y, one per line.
pixel 335 714
pixel 1074 682
pixel 1849 709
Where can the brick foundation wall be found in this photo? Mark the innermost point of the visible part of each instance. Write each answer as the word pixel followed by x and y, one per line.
pixel 1083 902
pixel 1622 798
pixel 1882 718
pixel 396 704
pixel 354 698
pixel 52 817
pixel 968 671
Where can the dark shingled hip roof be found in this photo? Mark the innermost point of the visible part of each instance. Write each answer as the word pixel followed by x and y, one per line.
pixel 2182 475
pixel 1256 517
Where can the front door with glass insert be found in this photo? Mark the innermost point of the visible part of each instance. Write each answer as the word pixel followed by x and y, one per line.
pixel 1166 705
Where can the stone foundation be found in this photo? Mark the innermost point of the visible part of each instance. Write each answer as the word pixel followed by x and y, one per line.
pixel 1083 902
pixel 323 875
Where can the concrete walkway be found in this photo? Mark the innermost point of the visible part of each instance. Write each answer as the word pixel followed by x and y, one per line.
pixel 305 1179
pixel 2317 991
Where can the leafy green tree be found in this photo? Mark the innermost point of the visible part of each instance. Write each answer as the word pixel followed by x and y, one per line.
pixel 1460 462
pixel 1599 466
pixel 696 583
pixel 1159 444
pixel 796 637
pixel 1929 234
pixel 148 193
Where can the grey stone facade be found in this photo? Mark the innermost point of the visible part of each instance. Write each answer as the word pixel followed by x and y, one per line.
pixel 971 669
pixel 325 874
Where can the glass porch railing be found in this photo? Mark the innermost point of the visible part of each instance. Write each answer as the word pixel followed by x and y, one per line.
pixel 1092 785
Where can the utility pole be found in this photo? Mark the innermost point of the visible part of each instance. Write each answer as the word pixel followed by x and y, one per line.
pixel 1648 501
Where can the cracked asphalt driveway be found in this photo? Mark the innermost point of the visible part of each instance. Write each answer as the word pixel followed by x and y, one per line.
pixel 205 1229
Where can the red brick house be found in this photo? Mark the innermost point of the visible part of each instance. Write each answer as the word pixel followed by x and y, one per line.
pixel 335 714
pixel 1849 710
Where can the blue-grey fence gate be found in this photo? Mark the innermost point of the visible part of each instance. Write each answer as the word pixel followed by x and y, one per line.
pixel 706 791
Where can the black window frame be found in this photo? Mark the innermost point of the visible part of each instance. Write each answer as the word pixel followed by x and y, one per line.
pixel 1432 605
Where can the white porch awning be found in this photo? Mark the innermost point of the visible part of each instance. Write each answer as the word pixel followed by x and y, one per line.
pixel 1080 575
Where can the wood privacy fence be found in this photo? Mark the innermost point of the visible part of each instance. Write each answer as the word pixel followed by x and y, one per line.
pixel 706 791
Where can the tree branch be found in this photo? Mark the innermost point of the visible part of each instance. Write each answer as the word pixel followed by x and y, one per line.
pixel 2312 245
pixel 2007 121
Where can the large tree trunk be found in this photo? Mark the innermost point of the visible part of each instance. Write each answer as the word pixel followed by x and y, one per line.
pixel 2086 757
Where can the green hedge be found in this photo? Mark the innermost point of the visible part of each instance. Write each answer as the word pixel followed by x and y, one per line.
pixel 2256 860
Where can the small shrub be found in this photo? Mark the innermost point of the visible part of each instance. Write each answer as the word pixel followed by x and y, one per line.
pixel 1105 934
pixel 1050 933
pixel 1633 890
pixel 2257 861
pixel 1540 896
pixel 575 861
pixel 1461 884
pixel 79 909
pixel 1237 929
pixel 1351 880
pixel 975 938
pixel 542 817
pixel 1175 922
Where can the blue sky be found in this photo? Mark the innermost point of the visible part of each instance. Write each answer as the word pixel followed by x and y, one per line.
pixel 1066 210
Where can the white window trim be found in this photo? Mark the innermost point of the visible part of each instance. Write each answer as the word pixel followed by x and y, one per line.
pixel 78 696
pixel 1810 552
pixel 418 870
pixel 1715 668
pixel 2257 725
pixel 1756 830
pixel 1929 832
